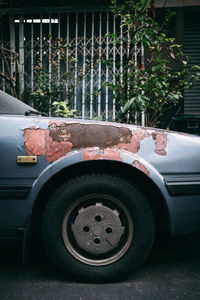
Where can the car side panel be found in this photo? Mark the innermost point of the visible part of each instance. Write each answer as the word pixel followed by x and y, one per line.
pixel 16 180
pixel 155 153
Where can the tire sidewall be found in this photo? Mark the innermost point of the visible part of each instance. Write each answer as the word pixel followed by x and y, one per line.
pixel 130 197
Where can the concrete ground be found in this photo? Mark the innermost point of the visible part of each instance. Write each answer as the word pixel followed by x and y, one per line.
pixel 171 272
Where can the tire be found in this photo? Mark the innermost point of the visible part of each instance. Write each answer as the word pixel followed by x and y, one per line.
pixel 97 227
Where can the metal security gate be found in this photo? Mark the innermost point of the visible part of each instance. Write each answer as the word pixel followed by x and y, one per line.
pixel 87 32
pixel 192 49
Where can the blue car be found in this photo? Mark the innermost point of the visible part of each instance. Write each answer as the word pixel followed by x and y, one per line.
pixel 96 193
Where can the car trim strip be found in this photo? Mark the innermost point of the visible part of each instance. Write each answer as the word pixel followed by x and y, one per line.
pixel 18 192
pixel 183 186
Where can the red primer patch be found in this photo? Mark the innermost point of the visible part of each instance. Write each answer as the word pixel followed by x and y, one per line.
pixel 134 145
pixel 160 143
pixel 38 142
pixel 98 154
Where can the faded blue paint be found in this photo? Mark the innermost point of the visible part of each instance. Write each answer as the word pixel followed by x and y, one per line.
pixel 181 159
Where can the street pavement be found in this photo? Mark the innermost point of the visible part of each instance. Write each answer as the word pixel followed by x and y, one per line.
pixel 171 272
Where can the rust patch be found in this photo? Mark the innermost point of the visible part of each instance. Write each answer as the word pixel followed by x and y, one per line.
pixel 105 136
pixel 63 137
pixel 134 145
pixel 89 135
pixel 160 142
pixel 137 164
pixel 101 154
pixel 39 142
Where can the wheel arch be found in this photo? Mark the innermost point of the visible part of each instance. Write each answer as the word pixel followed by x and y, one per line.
pixel 132 174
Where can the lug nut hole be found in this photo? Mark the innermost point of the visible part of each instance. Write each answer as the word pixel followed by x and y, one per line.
pixel 97 241
pixel 86 229
pixel 109 230
pixel 98 218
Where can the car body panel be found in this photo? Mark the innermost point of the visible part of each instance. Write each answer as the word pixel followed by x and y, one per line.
pixel 168 158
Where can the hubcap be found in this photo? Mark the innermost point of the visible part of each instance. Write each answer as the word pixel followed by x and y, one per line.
pixel 97 229
pixel 97 233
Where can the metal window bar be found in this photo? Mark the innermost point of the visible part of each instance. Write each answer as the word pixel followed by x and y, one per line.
pixel 99 65
pixel 136 62
pixel 84 66
pixel 114 69
pixel 92 70
pixel 93 43
pixel 121 53
pixel 12 48
pixel 50 63
pixel 143 67
pixel 107 70
pixel 3 70
pixel 2 60
pixel 67 60
pixel 76 63
pixel 32 60
pixel 21 55
pixel 59 51
pixel 128 57
pixel 41 46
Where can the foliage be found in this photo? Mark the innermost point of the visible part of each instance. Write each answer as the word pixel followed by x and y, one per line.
pixel 51 96
pixel 61 109
pixel 151 83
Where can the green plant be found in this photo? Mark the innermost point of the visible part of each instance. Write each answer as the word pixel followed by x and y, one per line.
pixel 51 95
pixel 61 109
pixel 149 84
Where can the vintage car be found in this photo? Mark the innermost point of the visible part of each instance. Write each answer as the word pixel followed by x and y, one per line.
pixel 96 192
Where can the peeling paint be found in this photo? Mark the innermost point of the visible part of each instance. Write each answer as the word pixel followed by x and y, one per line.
pixel 89 135
pixel 137 164
pixel 101 154
pixel 62 137
pixel 140 134
pixel 39 142
pixel 160 142
pixel 134 145
pixel 111 154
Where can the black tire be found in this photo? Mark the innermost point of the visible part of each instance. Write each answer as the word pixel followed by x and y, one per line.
pixel 98 227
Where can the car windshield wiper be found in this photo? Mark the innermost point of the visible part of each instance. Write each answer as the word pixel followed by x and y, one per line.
pixel 34 112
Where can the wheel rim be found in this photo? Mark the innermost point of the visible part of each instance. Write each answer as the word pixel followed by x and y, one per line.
pixel 97 230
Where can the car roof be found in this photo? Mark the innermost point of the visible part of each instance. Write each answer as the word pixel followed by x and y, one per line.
pixel 11 105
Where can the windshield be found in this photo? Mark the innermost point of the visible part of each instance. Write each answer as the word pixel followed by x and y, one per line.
pixel 11 105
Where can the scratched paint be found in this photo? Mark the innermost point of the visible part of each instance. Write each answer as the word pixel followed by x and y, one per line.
pixel 62 137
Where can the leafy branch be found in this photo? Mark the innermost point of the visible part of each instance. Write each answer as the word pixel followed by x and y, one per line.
pixel 149 84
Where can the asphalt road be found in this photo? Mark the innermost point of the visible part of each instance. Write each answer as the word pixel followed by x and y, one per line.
pixel 171 272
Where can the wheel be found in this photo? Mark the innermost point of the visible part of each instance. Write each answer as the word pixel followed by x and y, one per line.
pixel 97 228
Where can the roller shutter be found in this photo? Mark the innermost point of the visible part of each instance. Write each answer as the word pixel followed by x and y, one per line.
pixel 192 49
